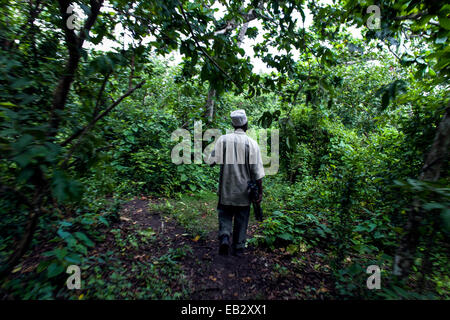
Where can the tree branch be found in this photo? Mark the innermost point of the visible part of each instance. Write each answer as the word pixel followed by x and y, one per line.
pixel 231 25
pixel 204 52
pixel 100 93
pixel 391 51
pixel 97 118
pixel 412 16
pixel 94 114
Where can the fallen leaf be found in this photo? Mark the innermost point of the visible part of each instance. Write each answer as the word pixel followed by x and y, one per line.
pixel 17 269
pixel 197 237
pixel 125 219
pixel 212 278
pixel 322 290
pixel 30 268
pixel 303 247
pixel 291 249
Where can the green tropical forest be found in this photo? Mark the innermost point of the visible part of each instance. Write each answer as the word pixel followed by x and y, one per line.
pixel 350 97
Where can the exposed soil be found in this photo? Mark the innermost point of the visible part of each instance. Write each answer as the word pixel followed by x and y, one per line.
pixel 258 274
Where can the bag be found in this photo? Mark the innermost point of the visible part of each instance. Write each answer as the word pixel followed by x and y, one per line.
pixel 253 189
pixel 253 194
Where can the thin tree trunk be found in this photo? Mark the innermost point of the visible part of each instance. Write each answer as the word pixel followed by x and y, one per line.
pixel 210 104
pixel 212 93
pixel 74 44
pixel 100 101
pixel 130 79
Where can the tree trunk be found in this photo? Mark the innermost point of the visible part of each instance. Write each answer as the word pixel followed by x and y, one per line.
pixel 130 79
pixel 431 171
pixel 74 45
pixel 210 101
pixel 210 104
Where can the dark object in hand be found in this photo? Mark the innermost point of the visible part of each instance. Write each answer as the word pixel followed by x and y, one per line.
pixel 253 194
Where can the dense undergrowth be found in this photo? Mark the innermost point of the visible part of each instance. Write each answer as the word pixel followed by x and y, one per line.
pixel 356 124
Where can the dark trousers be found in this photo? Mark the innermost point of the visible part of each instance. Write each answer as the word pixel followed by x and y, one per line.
pixel 241 215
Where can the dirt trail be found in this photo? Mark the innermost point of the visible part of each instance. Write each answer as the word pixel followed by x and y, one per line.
pixel 258 274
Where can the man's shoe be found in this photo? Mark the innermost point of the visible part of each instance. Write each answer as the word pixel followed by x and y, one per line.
pixel 224 247
pixel 238 252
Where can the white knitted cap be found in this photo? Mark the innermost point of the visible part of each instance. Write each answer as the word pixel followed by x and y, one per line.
pixel 238 118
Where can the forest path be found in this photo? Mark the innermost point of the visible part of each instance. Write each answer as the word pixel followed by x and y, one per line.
pixel 258 274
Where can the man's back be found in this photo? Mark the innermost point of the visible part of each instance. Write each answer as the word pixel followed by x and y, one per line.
pixel 240 160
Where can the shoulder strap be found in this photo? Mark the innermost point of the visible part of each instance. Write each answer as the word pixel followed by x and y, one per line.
pixel 247 159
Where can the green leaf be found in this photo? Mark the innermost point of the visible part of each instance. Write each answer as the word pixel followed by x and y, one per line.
pixel 63 234
pixel 42 266
pixel 65 223
pixel 21 83
pixel 444 22
pixel 104 221
pixel 445 215
pixel 286 236
pixel 54 269
pixel 65 189
pixel 7 104
pixel 81 236
pixel 73 259
pixel 292 248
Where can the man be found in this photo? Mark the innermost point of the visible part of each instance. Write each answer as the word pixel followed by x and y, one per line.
pixel 240 162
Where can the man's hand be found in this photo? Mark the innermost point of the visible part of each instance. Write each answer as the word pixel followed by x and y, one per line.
pixel 258 201
pixel 260 188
